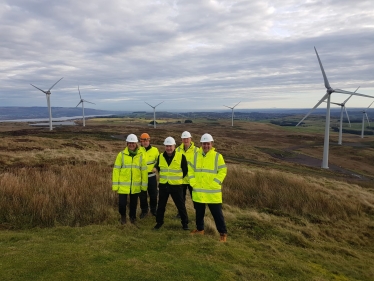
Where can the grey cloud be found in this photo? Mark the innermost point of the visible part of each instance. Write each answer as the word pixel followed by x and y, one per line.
pixel 214 51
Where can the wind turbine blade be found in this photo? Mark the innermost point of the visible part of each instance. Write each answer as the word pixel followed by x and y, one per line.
pixel 327 85
pixel 335 103
pixel 149 105
pixel 39 89
pixel 370 104
pixel 347 99
pixel 79 103
pixel 347 116
pixel 54 84
pixel 159 104
pixel 351 93
pixel 88 101
pixel 367 118
pixel 236 104
pixel 79 93
pixel 228 106
pixel 318 103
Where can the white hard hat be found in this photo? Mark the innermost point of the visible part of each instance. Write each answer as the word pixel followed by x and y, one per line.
pixel 206 138
pixel 169 141
pixel 186 135
pixel 132 138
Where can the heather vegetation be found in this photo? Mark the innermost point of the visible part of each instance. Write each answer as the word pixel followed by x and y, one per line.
pixel 286 220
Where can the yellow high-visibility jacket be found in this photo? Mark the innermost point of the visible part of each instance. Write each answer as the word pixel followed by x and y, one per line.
pixel 206 176
pixel 189 156
pixel 172 174
pixel 152 155
pixel 130 173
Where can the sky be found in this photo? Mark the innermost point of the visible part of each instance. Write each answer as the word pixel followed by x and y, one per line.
pixel 191 55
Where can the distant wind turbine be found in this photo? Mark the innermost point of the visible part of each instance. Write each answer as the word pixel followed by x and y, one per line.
pixel 363 120
pixel 48 93
pixel 329 91
pixel 342 106
pixel 154 113
pixel 232 113
pixel 82 101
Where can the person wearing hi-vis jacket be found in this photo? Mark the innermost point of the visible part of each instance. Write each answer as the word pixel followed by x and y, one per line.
pixel 129 177
pixel 206 174
pixel 172 168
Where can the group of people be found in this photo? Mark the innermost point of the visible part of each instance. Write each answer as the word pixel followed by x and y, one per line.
pixel 187 167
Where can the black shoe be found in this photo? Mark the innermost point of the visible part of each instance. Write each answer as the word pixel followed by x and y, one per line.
pixel 153 212
pixel 132 220
pixel 185 226
pixel 178 216
pixel 143 215
pixel 158 225
pixel 123 220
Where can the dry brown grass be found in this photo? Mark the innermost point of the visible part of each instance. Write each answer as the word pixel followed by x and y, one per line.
pixel 317 199
pixel 57 195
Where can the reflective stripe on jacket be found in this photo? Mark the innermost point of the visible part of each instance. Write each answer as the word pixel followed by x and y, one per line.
pixel 152 155
pixel 172 174
pixel 189 156
pixel 206 176
pixel 130 173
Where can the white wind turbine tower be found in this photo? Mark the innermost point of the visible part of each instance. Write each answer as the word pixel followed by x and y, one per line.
pixel 342 105
pixel 232 113
pixel 363 120
pixel 329 91
pixel 154 113
pixel 82 101
pixel 48 94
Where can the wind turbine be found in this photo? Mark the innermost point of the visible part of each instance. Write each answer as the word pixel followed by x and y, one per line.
pixel 82 101
pixel 48 93
pixel 342 106
pixel 363 120
pixel 329 91
pixel 154 113
pixel 232 113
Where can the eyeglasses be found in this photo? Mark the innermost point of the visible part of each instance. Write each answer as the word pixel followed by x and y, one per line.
pixel 206 143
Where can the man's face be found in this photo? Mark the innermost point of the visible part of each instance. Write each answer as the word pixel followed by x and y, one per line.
pixel 144 142
pixel 206 146
pixel 169 149
pixel 186 142
pixel 132 145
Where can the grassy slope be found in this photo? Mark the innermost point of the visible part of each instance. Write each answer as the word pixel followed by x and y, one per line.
pixel 264 243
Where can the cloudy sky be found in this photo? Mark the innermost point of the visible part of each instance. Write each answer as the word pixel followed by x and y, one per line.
pixel 191 54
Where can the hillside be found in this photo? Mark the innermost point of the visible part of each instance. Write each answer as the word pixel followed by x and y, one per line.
pixel 287 219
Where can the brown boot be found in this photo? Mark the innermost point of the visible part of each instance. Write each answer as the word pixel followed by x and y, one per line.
pixel 195 231
pixel 223 237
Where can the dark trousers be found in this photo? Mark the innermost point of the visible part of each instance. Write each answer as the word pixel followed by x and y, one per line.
pixel 152 192
pixel 122 202
pixel 185 186
pixel 176 193
pixel 216 210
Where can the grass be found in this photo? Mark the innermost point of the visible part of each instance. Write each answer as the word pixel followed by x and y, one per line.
pixel 59 220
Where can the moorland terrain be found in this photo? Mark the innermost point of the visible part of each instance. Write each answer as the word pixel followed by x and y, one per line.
pixel 287 218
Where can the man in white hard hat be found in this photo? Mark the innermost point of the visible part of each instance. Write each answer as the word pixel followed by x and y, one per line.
pixel 188 149
pixel 172 167
pixel 129 177
pixel 152 154
pixel 207 172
